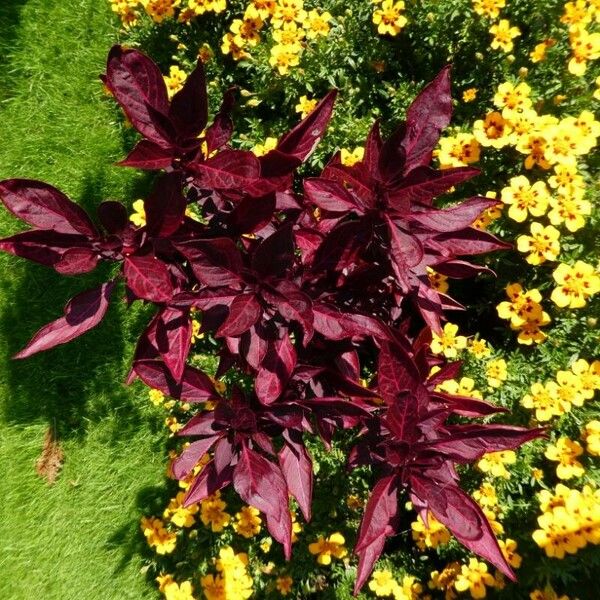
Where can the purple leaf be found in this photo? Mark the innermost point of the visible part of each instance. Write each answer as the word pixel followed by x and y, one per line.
pixel 149 156
pixel 244 312
pixel 207 482
pixel 82 313
pixel 45 207
pixel 275 254
pixel 165 206
pixel 454 218
pixel 330 195
pixel 183 465
pixel 301 141
pixel 275 370
pixel 113 216
pixel 173 336
pixel 296 466
pixel 427 116
pixel 261 484
pixel 148 278
pixel 189 106
pixel 76 261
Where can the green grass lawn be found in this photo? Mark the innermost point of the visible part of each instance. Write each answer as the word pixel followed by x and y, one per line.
pixel 79 538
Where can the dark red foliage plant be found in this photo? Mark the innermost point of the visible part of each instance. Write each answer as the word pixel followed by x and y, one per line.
pixel 298 299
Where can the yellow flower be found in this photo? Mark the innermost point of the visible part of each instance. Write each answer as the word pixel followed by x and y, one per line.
pixel 469 95
pixel 523 307
pixel 597 90
pixel 494 463
pixel 474 577
pixel 479 348
pixel 575 284
pixel 283 57
pixel 431 535
pixel 464 387
pixel 438 281
pixel 496 372
pixel 291 36
pixel 138 217
pixel 126 9
pixel 538 54
pixel 542 245
pixel 212 512
pixel 513 97
pixel 523 197
pixel 326 548
pixel 509 550
pixel 248 522
pixel 449 343
pixel 588 377
pixel 213 587
pixel 458 151
pixel 317 24
pixel 232 569
pixel 486 496
pixel 445 579
pixel 503 35
pixel 565 452
pixel 546 594
pixel 559 533
pixel 382 583
pixel 545 403
pixel 591 436
pixel 246 31
pixel 389 18
pixel 159 10
pixel 584 46
pixel 181 591
pixel 492 131
pixel 284 584
pixel 269 144
pixel 567 180
pixel 264 8
pixel 157 536
pixel 305 106
pixel 576 13
pixel 351 158
pixel 288 12
pixel 567 209
pixel 182 516
pixel 174 80
pixel 488 8
pixel 156 397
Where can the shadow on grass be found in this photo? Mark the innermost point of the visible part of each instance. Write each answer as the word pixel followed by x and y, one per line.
pixel 10 21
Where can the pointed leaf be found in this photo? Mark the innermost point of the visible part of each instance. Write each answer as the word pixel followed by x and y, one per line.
pixel 244 312
pixel 296 466
pixel 165 206
pixel 189 106
pixel 149 156
pixel 148 278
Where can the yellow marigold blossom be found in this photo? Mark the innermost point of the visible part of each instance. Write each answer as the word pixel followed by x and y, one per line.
pixel 237 584
pixel 261 149
pixel 534 145
pixel 576 13
pixel 569 211
pixel 458 151
pixel 126 9
pixel 490 214
pixel 559 533
pixel 248 522
pixel 212 512
pixel 264 8
pixel 546 594
pixel 213 587
pixel 382 583
pixel 492 517
pixel 588 377
pixel 474 577
pixel 351 158
pixel 283 57
pixel 178 591
pixel 317 24
pixel 545 403
pixel 523 123
pixel 575 284
pixel 503 35
pixel 509 550
pixel 305 105
pixel 431 535
pixel 488 8
pixel 354 502
pixel 486 495
pixel 524 197
pixel 565 452
pixel 389 18
pixel 229 45
pixel 591 436
pixel 163 580
pixel 522 307
pixel 265 544
pixel 492 131
pixel 326 548
pixel 564 143
pixel 296 526
pixel 410 589
pixel 585 46
pixel 464 387
pixel 156 397
pixel 444 580
pixel 496 372
pixel 513 97
pixel 530 332
pixel 494 463
pixel 178 514
pixel 543 244
pixel 479 348
pixel 449 343
pixel 438 281
pixel 159 10
pixel 469 95
pixel 138 217
pixel 568 388
pixel 174 80
pixel 288 12
pixel 284 584
pixel 291 36
pixel 538 54
pixel 157 536
pixel 173 424
pixel 566 179
pixel 246 31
